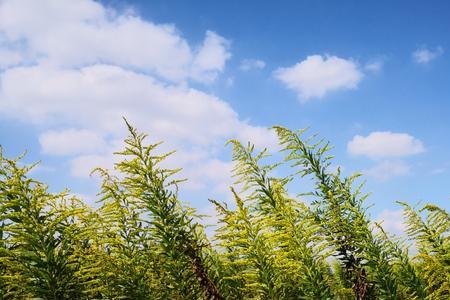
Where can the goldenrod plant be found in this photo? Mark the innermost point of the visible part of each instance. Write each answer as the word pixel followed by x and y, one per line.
pixel 142 242
pixel 339 210
pixel 40 235
pixel 431 233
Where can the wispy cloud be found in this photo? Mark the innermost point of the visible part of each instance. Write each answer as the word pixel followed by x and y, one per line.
pixel 425 55
pixel 388 169
pixel 251 64
pixel 374 66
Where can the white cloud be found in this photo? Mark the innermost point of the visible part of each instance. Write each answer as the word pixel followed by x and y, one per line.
pixel 319 75
pixel 199 166
pixel 251 64
pixel 71 141
pixel 392 221
pixel 382 144
pixel 96 97
pixel 261 137
pixel 82 166
pixel 9 58
pixel 77 33
pixel 388 169
pixel 215 171
pixel 425 55
pixel 91 65
pixel 99 95
pixel 211 58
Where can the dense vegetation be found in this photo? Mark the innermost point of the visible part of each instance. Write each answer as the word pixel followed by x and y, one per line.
pixel 143 243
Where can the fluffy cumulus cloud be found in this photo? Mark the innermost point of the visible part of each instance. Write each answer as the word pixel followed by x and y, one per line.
pixel 387 148
pixel 319 75
pixel 85 66
pixel 78 33
pixel 425 55
pixel 383 144
pixel 251 64
pixel 211 57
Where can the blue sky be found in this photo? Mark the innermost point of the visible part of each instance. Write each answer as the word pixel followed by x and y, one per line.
pixel 372 77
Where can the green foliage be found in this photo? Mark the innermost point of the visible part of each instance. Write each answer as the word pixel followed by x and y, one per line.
pixel 142 242
pixel 339 210
pixel 40 233
pixel 431 234
pixel 299 256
